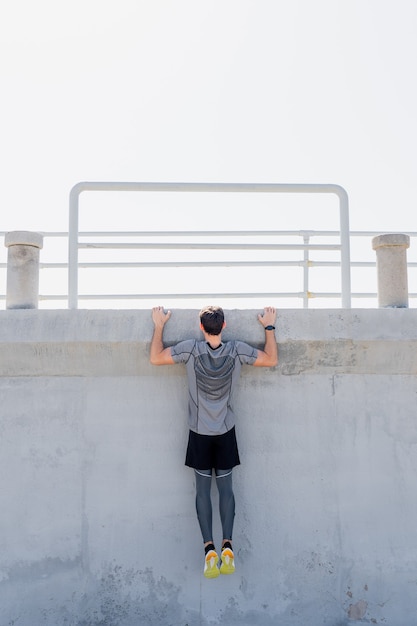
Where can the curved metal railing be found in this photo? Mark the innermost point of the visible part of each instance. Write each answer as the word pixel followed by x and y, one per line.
pixel 95 264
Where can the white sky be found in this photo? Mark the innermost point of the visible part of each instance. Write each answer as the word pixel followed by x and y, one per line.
pixel 290 91
pixel 222 90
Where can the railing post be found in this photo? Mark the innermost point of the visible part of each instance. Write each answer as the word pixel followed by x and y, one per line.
pixel 391 263
pixel 22 269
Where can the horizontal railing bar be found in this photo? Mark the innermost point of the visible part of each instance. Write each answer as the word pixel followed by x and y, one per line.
pixel 174 233
pixel 171 296
pixel 195 264
pixel 206 233
pixel 190 264
pixel 156 264
pixel 233 233
pixel 373 233
pixel 299 294
pixel 60 297
pixel 151 296
pixel 210 233
pixel 168 187
pixel 353 233
pixel 299 263
pixel 181 296
pixel 206 246
pixel 375 295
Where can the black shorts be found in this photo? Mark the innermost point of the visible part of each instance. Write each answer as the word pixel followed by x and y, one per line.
pixel 212 451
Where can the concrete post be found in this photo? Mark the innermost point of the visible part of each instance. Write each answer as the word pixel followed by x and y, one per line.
pixel 391 261
pixel 22 269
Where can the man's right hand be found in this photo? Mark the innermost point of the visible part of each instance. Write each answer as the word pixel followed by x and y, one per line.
pixel 159 316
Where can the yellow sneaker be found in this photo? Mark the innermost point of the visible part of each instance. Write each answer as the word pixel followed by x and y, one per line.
pixel 210 564
pixel 228 561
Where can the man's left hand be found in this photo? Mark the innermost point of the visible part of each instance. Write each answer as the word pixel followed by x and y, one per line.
pixel 268 317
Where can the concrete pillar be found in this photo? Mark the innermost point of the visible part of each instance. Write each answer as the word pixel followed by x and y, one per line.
pixel 391 262
pixel 22 269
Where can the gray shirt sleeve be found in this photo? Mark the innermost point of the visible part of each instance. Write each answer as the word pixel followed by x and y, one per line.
pixel 181 351
pixel 246 353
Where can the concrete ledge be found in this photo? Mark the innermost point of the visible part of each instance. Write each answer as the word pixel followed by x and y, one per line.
pixel 116 343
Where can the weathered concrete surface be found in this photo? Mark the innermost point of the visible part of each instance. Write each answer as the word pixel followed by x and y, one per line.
pixel 391 263
pixel 23 269
pixel 97 524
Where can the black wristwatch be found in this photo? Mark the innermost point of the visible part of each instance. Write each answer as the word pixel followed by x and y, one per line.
pixel 269 327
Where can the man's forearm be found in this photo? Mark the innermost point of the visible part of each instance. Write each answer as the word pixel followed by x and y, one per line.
pixel 158 354
pixel 271 347
pixel 157 343
pixel 268 357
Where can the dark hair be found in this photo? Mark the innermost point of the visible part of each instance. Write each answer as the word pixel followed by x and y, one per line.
pixel 212 319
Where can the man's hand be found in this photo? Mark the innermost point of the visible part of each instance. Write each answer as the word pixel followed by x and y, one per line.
pixel 158 354
pixel 268 357
pixel 159 316
pixel 268 317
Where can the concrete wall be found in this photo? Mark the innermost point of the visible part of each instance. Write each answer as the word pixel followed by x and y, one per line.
pixel 97 523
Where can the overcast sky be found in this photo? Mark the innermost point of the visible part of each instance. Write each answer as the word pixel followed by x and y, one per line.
pixel 309 91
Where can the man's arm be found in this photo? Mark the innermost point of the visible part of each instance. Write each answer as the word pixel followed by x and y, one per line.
pixel 158 354
pixel 268 357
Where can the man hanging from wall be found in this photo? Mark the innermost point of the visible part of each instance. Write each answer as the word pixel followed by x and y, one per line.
pixel 213 368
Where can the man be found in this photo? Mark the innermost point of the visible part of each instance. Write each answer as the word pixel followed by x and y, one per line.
pixel 213 368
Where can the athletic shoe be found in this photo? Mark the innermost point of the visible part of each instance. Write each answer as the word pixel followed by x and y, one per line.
pixel 228 561
pixel 210 564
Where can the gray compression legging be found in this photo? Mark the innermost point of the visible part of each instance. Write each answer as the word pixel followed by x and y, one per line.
pixel 226 502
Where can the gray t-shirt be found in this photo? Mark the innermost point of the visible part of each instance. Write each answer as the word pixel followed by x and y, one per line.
pixel 212 377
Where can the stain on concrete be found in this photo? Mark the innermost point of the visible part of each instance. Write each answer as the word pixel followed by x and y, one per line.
pixel 357 611
pixel 294 358
pixel 297 357
pixel 52 592
pixel 128 597
pixel 246 589
pixel 39 570
pixel 233 616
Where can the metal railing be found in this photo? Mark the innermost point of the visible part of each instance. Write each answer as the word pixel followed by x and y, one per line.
pixel 54 273
pixel 343 247
pixel 262 250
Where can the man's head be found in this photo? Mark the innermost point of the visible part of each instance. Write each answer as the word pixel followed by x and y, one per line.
pixel 212 320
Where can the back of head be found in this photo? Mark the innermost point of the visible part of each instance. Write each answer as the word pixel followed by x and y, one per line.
pixel 212 319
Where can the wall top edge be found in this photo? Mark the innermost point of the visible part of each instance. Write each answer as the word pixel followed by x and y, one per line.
pixel 111 325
